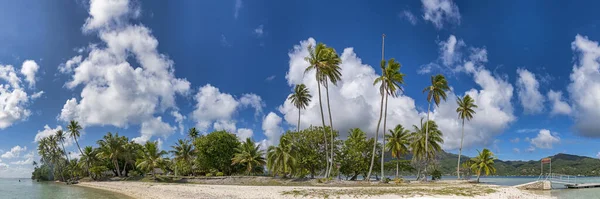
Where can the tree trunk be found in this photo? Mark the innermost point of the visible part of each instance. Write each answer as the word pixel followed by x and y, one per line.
pixel 330 128
pixel 298 127
pixel 398 162
pixel 426 142
pixel 376 137
pixel 478 175
pixel 116 163
pixel 460 149
pixel 383 135
pixel 125 168
pixel 324 133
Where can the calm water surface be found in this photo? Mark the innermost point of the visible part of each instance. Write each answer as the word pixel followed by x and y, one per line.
pixel 558 190
pixel 27 188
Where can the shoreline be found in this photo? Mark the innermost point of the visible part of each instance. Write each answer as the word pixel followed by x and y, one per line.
pixel 136 189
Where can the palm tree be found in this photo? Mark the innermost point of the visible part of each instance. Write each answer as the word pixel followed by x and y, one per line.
pixel 398 141
pixel 60 137
pixel 300 98
pixel 151 158
pixel 111 148
pixel 280 159
pixel 249 154
pixel 436 91
pixel 184 153
pixel 425 142
pixel 465 111
pixel 88 157
pixel 326 62
pixel 484 162
pixel 193 133
pixel 74 133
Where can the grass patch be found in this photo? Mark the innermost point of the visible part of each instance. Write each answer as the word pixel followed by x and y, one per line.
pixel 404 191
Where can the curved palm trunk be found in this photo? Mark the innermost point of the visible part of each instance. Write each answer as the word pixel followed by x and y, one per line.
pixel 376 137
pixel 426 142
pixel 478 175
pixel 330 128
pixel 116 163
pixel 460 149
pixel 324 133
pixel 383 136
pixel 80 151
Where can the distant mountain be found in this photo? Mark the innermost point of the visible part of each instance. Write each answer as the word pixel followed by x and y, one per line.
pixel 561 163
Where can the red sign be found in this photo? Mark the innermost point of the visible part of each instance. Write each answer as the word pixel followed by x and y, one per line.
pixel 546 160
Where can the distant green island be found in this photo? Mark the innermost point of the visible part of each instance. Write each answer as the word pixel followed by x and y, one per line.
pixel 561 164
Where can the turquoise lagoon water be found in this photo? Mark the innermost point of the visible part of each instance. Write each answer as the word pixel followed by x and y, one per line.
pixel 27 188
pixel 30 189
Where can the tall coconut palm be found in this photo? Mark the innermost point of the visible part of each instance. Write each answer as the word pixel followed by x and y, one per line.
pixel 74 133
pixel 300 99
pixel 281 159
pixel 193 133
pixel 398 141
pixel 151 158
pixel 390 82
pixel 325 61
pixel 249 154
pixel 425 142
pixel 436 92
pixel 111 148
pixel 184 152
pixel 60 137
pixel 484 161
pixel 465 111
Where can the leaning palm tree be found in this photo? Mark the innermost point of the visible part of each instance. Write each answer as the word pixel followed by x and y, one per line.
pixel 184 153
pixel 425 142
pixel 248 154
pixel 465 111
pixel 326 62
pixel 300 98
pixel 281 159
pixel 398 141
pixel 436 92
pixel 151 157
pixel 484 161
pixel 193 133
pixel 60 136
pixel 74 133
pixel 111 149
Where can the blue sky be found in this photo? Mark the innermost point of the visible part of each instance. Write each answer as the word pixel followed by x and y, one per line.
pixel 146 69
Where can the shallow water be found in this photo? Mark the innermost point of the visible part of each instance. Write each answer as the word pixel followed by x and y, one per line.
pixel 27 188
pixel 558 190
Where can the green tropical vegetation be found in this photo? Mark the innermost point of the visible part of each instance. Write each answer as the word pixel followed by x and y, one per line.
pixel 309 152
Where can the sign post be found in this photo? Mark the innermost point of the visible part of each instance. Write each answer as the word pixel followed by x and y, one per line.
pixel 546 161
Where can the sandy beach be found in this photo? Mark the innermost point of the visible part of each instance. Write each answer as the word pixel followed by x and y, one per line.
pixel 183 190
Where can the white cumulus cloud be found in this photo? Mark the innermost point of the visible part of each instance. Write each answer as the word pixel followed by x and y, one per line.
pixel 545 139
pixel 558 105
pixel 272 128
pixel 114 92
pixel 528 91
pixel 29 69
pixel 440 11
pixel 244 133
pixel 584 89
pixel 14 152
pixel 354 101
